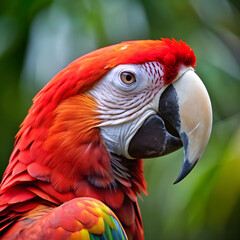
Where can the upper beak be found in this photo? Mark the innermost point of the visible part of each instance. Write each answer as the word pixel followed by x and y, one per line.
pixel 184 118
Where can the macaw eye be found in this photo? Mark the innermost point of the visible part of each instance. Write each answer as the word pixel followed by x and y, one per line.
pixel 128 77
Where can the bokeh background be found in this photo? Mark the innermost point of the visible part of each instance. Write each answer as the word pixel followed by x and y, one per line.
pixel 38 38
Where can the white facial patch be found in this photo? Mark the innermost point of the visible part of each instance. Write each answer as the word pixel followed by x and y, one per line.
pixel 122 107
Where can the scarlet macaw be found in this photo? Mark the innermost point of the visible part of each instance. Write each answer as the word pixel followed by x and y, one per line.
pixel 76 168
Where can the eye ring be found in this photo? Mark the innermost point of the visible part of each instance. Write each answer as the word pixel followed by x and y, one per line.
pixel 128 77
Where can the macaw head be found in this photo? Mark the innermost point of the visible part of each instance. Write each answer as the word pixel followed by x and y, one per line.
pixel 91 125
pixel 137 99
pixel 153 107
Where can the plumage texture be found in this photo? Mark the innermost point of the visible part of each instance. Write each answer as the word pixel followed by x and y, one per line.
pixel 59 154
pixel 80 218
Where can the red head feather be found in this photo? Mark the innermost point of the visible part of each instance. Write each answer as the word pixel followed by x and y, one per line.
pixel 58 152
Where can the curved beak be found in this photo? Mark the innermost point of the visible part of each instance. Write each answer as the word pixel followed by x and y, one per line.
pixel 196 119
pixel 184 118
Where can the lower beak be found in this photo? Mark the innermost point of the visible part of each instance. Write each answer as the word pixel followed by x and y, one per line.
pixel 184 118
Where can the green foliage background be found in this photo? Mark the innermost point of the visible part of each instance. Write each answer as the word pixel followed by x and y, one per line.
pixel 38 38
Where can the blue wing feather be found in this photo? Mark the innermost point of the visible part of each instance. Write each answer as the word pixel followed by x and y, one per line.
pixel 110 233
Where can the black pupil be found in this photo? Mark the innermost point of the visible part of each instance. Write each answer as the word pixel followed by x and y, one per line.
pixel 128 77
